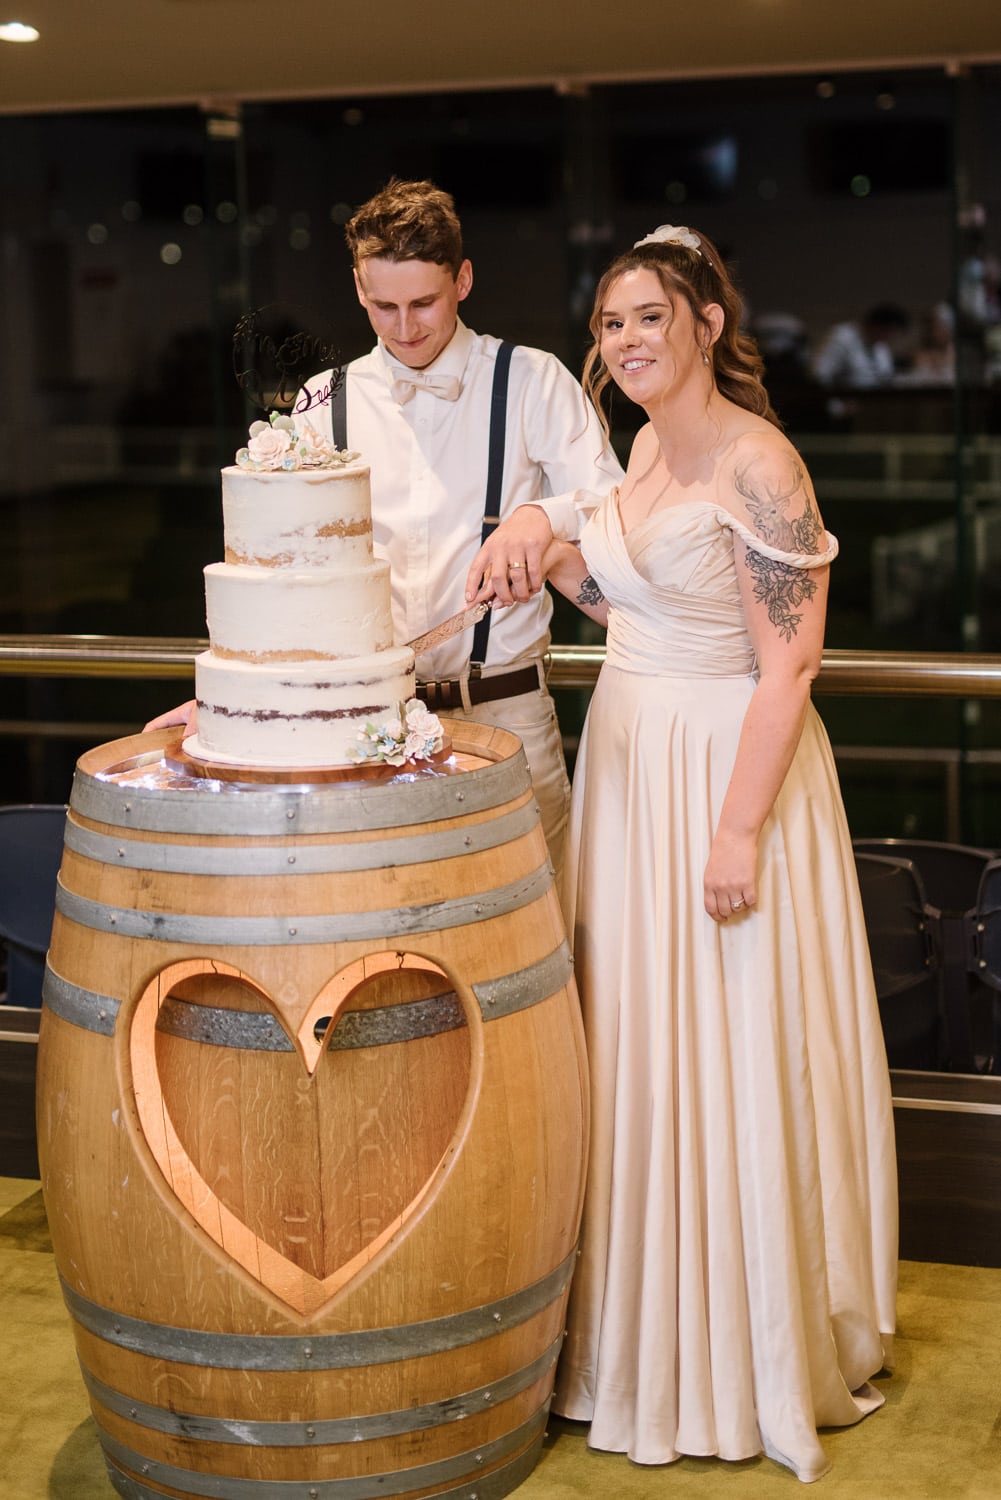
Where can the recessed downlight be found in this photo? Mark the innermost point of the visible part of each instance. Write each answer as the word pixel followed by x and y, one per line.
pixel 17 31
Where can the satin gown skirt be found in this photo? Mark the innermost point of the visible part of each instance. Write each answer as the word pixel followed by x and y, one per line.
pixel 738 1272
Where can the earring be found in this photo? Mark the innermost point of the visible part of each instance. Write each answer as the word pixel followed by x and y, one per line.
pixel 705 357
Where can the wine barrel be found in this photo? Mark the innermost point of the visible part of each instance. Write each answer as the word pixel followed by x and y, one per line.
pixel 311 1117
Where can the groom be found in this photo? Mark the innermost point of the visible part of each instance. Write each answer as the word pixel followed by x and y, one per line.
pixel 457 438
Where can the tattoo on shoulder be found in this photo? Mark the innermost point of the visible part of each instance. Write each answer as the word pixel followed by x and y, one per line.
pixel 768 498
pixel 782 589
pixel 590 593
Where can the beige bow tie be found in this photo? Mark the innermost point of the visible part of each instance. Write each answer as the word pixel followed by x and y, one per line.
pixel 406 384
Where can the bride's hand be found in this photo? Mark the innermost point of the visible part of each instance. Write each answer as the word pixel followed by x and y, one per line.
pixel 729 885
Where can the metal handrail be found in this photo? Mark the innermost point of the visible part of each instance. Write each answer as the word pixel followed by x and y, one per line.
pixel 905 673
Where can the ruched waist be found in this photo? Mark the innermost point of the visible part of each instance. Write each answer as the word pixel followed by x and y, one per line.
pixel 678 647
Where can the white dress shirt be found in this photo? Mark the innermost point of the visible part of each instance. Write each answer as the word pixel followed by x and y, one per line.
pixel 428 458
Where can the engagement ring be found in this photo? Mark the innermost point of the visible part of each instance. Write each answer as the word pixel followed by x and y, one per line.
pixel 736 905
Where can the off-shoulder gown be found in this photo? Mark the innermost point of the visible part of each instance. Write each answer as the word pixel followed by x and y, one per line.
pixel 737 1279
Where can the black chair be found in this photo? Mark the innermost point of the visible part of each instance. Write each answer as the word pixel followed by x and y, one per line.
pixel 951 874
pixel 983 926
pixel 31 847
pixel 900 926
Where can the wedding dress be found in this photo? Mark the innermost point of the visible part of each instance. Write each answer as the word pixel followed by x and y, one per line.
pixel 737 1279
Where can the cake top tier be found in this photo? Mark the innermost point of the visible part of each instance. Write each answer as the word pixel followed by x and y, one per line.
pixel 278 446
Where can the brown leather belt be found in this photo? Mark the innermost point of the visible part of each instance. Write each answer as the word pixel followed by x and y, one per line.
pixel 447 693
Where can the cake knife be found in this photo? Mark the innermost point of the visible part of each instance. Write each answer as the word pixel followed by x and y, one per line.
pixel 454 625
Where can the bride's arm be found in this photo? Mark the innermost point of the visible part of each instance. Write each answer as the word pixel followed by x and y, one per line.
pixel 785 608
pixel 565 568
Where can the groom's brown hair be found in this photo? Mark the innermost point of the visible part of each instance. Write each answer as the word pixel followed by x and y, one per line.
pixel 407 221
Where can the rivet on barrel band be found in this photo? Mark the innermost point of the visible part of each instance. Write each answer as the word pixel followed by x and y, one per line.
pixel 255 1434
pixel 334 1351
pixel 373 854
pixel 272 931
pixel 353 1487
pixel 493 1486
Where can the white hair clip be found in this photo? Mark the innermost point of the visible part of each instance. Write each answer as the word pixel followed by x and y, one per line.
pixel 671 234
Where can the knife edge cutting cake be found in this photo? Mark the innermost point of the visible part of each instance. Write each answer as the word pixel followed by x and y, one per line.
pixel 302 669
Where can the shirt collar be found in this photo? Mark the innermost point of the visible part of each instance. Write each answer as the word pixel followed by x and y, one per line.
pixel 452 360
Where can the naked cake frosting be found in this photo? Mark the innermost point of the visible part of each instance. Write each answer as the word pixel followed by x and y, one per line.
pixel 302 665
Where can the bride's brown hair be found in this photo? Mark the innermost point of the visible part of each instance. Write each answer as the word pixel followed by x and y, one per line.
pixel 700 278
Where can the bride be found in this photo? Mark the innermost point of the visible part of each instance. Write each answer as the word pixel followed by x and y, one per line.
pixel 737 1278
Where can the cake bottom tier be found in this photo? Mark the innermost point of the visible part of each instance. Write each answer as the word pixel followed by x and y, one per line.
pixel 301 713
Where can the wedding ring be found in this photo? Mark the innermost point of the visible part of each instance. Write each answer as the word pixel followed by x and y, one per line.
pixel 511 566
pixel 736 905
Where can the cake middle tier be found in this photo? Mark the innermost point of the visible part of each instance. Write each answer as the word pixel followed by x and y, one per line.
pixel 276 614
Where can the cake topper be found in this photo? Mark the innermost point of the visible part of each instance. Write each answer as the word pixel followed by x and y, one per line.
pixel 274 354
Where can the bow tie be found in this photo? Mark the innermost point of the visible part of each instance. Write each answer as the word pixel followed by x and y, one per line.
pixel 406 384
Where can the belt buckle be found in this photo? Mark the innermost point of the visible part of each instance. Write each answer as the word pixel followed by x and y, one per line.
pixel 440 693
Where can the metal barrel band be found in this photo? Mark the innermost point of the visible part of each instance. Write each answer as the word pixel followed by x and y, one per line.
pixel 293 930
pixel 329 1351
pixel 88 1009
pixel 260 1031
pixel 304 859
pixel 246 810
pixel 320 1431
pixel 493 1486
pixel 499 997
pixel 353 1487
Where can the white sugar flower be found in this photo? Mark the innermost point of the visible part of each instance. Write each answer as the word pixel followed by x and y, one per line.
pixel 415 734
pixel 278 444
pixel 314 449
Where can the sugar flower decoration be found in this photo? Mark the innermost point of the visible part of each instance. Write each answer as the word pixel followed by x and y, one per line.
pixel 416 735
pixel 279 446
pixel 671 234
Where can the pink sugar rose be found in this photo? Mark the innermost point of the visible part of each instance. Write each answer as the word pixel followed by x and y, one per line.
pixel 269 445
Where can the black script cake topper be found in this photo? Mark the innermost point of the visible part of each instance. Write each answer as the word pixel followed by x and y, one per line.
pixel 276 350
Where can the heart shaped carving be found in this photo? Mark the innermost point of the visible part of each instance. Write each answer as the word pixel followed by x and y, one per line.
pixel 301 1155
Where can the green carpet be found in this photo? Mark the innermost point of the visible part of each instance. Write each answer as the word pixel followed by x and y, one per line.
pixel 937 1437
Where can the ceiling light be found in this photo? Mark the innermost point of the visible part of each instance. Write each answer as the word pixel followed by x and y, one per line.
pixel 17 31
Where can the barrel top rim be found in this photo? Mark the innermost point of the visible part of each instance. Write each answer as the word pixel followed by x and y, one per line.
pixel 488 741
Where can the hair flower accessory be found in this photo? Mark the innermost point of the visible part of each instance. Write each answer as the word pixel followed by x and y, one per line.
pixel 671 234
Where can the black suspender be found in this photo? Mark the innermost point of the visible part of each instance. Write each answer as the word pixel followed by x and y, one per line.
pixel 495 478
pixel 339 412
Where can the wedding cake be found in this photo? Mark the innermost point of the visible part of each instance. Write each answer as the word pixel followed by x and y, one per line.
pixel 302 670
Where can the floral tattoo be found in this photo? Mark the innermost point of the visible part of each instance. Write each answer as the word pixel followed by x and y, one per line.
pixel 590 593
pixel 781 587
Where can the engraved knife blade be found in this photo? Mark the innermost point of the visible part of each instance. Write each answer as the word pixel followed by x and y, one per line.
pixel 454 625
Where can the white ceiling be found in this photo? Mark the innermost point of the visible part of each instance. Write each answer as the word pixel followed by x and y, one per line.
pixel 105 53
